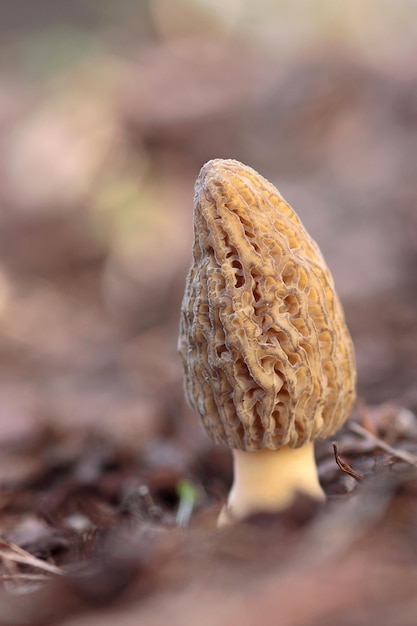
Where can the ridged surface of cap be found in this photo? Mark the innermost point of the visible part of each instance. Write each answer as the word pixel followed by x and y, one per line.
pixel 268 360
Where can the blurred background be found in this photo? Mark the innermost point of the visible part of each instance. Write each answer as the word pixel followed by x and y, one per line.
pixel 107 112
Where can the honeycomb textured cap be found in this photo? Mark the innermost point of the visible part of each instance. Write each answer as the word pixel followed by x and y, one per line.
pixel 268 360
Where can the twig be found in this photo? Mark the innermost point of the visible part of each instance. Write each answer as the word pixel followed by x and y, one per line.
pixel 24 577
pixel 11 552
pixel 408 457
pixel 344 466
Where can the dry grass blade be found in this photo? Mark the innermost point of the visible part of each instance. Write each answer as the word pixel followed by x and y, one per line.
pixel 11 552
pixel 408 457
pixel 21 577
pixel 345 467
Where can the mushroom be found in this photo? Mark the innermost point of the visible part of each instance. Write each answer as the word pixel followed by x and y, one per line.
pixel 268 361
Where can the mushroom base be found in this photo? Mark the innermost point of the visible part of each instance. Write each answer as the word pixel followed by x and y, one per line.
pixel 269 480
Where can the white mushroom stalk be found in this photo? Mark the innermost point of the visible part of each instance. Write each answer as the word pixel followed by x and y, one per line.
pixel 268 360
pixel 269 480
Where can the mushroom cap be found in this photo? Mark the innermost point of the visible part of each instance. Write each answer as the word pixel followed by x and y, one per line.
pixel 267 358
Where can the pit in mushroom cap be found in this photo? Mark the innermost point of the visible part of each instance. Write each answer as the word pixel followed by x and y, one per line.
pixel 267 357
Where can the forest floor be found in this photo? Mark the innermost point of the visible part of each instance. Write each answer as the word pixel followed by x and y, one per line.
pixel 109 489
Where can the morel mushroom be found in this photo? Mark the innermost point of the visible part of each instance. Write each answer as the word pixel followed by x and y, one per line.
pixel 268 360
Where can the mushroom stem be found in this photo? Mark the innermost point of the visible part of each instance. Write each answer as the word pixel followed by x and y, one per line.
pixel 268 480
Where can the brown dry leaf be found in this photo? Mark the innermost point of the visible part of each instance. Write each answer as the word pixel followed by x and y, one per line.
pixel 345 467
